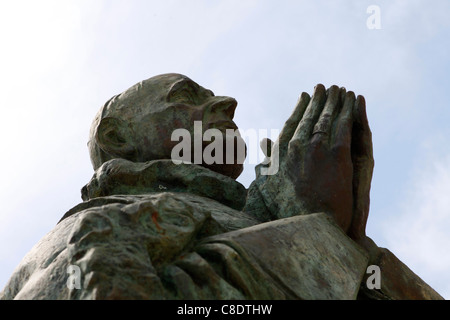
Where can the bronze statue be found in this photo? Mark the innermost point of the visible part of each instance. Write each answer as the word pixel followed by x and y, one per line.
pixel 151 228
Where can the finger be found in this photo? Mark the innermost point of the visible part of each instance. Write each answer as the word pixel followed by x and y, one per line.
pixel 360 112
pixel 304 129
pixel 291 124
pixel 343 92
pixel 343 129
pixel 362 124
pixel 329 111
pixel 363 163
pixel 362 147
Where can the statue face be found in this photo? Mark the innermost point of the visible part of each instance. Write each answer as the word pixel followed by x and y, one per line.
pixel 172 102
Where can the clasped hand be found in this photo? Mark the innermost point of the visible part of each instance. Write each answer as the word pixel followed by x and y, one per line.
pixel 324 161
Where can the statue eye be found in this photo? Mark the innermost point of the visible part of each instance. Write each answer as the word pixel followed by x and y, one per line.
pixel 183 95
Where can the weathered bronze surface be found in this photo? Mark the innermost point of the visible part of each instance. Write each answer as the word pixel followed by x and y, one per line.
pixel 152 229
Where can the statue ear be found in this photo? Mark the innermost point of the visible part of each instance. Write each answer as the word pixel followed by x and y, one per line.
pixel 116 139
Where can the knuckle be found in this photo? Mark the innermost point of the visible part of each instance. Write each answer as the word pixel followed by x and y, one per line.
pixel 296 145
pixel 317 142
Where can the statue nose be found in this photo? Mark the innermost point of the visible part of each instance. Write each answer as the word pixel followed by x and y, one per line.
pixel 224 104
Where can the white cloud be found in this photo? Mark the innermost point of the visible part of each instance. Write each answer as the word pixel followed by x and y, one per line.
pixel 418 232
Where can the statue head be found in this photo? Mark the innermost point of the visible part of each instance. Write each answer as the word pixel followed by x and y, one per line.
pixel 137 124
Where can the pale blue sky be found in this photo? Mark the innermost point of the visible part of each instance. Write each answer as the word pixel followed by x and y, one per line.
pixel 61 60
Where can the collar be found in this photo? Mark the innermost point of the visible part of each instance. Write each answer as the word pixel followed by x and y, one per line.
pixel 124 177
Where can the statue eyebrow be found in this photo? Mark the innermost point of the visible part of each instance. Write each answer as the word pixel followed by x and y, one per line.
pixel 181 84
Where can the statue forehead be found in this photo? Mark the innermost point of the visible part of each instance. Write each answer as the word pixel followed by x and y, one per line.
pixel 161 84
pixel 147 95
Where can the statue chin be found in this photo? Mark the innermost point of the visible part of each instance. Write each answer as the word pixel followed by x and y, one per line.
pixel 234 169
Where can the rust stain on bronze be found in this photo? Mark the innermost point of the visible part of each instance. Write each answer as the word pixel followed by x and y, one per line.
pixel 155 220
